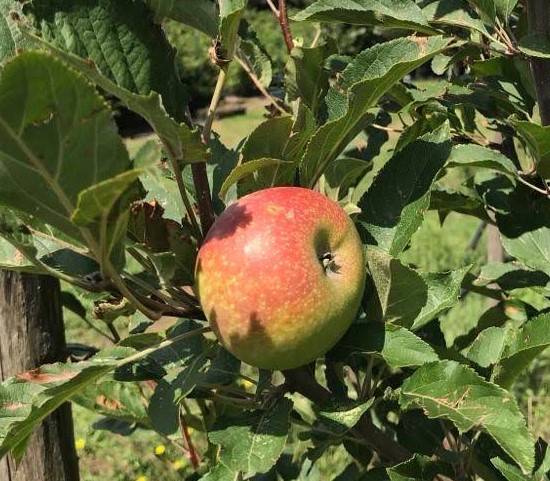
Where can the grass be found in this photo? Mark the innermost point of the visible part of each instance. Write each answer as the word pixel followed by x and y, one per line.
pixel 435 247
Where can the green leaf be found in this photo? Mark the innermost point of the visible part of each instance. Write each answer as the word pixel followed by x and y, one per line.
pixel 464 201
pixel 341 177
pixel 306 77
pixel 478 156
pixel 443 293
pixel 372 73
pixel 179 140
pixel 393 207
pixel 220 472
pixel 199 14
pixel 231 12
pixel 522 346
pixel 97 201
pixel 488 346
pixel 535 45
pixel 252 442
pixel 163 410
pixel 450 390
pixel 455 13
pixel 57 144
pixel 420 468
pixel 30 397
pixel 490 9
pixel 531 247
pixel 121 39
pixel 511 473
pixel 259 174
pixel 10 36
pixel 346 416
pixel 398 346
pixel 510 275
pixel 116 399
pixel 537 139
pixel 252 55
pixel 407 297
pixel 13 259
pixel 389 13
pixel 269 139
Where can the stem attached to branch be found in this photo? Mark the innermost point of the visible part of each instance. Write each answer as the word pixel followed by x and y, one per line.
pixel 282 17
pixel 302 381
pixel 200 176
pixel 258 84
pixel 538 14
pixel 185 198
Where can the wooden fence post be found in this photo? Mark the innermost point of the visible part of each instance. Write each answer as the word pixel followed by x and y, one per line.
pixel 31 334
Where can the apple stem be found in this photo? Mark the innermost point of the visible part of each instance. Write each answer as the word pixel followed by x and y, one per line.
pixel 302 380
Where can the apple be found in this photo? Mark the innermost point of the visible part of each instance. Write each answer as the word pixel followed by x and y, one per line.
pixel 280 276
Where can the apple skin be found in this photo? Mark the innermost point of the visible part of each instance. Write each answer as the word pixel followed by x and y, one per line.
pixel 270 297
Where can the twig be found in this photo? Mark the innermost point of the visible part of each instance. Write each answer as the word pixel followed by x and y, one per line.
pixel 151 290
pixel 214 102
pixel 302 381
pixel 200 176
pixel 476 237
pixel 258 84
pixel 134 298
pixel 282 17
pixel 185 198
pixel 114 332
pixel 273 8
pixel 386 129
pixel 193 455
pixel 538 15
pixel 488 48
pixel 166 310
pixel 534 187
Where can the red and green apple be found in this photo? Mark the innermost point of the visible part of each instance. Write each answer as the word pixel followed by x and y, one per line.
pixel 280 276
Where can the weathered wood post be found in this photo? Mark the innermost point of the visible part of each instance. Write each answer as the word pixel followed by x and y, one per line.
pixel 31 334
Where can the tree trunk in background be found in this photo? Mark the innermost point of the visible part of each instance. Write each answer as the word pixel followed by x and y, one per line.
pixel 31 334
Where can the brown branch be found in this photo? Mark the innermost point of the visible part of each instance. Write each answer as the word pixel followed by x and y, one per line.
pixel 204 198
pixel 285 27
pixel 166 310
pixel 192 452
pixel 303 381
pixel 538 15
pixel 256 81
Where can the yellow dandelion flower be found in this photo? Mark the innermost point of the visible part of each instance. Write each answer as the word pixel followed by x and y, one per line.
pixel 142 478
pixel 80 444
pixel 160 449
pixel 178 464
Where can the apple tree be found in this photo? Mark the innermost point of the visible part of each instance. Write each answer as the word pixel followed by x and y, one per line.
pixel 124 229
